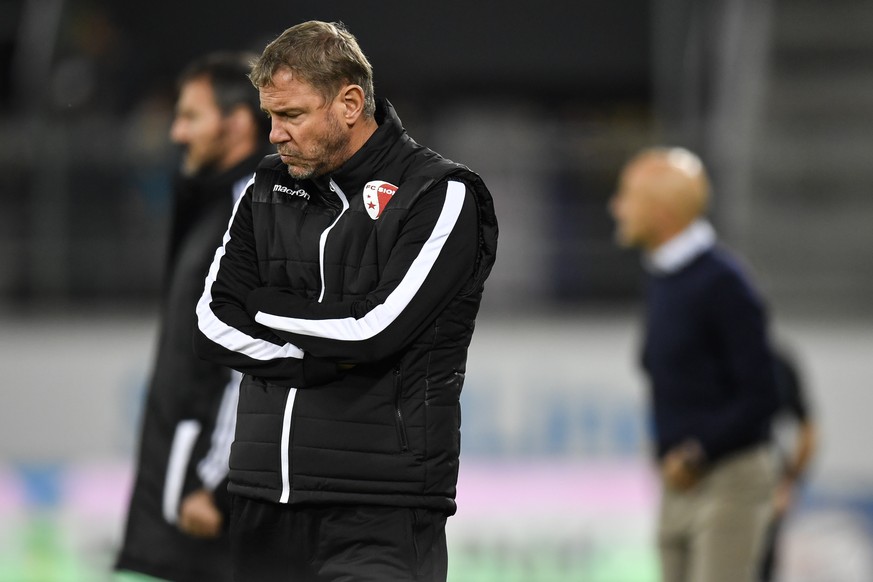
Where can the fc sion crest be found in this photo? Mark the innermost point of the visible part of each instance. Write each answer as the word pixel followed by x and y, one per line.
pixel 377 195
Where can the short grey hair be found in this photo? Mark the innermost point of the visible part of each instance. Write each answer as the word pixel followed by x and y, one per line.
pixel 324 54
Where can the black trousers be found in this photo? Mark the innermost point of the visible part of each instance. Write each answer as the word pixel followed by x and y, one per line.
pixel 272 542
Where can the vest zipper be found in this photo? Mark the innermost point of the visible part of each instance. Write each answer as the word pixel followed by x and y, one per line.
pixel 344 201
pixel 285 446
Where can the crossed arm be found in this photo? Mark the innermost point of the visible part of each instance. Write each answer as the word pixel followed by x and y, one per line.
pixel 274 333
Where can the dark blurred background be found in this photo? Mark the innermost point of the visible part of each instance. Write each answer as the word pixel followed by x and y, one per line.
pixel 545 100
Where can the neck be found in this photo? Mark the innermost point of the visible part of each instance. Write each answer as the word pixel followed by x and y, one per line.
pixel 362 133
pixel 664 236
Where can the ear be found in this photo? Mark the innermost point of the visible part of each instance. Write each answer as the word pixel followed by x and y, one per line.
pixel 351 102
pixel 238 118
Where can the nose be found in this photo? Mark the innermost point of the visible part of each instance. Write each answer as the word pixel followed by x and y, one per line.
pixel 278 134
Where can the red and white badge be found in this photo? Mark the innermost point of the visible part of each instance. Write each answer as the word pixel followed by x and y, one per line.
pixel 377 195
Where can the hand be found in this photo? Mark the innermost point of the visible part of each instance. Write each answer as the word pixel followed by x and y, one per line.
pixel 682 466
pixel 199 516
pixel 783 497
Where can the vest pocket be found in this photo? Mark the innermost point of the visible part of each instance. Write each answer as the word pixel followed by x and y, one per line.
pixel 402 437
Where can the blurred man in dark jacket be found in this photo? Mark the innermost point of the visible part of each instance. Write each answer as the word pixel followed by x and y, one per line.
pixel 176 524
pixel 795 433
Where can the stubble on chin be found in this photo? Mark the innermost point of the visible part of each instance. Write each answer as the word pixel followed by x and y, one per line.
pixel 317 170
pixel 300 174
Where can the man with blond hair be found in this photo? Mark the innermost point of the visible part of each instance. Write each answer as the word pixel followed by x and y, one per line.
pixel 346 291
pixel 707 355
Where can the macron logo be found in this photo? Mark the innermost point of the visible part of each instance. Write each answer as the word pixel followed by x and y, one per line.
pixel 286 190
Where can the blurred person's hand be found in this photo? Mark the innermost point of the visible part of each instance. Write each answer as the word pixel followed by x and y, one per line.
pixel 783 498
pixel 199 516
pixel 682 466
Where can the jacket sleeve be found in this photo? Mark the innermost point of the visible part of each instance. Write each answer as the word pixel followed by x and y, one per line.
pixel 208 466
pixel 741 330
pixel 227 335
pixel 218 432
pixel 433 257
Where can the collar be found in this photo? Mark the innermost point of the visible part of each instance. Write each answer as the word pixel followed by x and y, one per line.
pixel 683 248
pixel 373 156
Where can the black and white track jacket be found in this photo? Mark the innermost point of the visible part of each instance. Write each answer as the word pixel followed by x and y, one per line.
pixel 349 303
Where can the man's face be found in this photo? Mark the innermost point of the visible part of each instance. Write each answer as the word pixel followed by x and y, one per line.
pixel 199 126
pixel 632 206
pixel 308 133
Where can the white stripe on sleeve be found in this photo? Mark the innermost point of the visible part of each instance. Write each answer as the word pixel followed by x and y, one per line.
pixel 214 466
pixel 227 336
pixel 177 465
